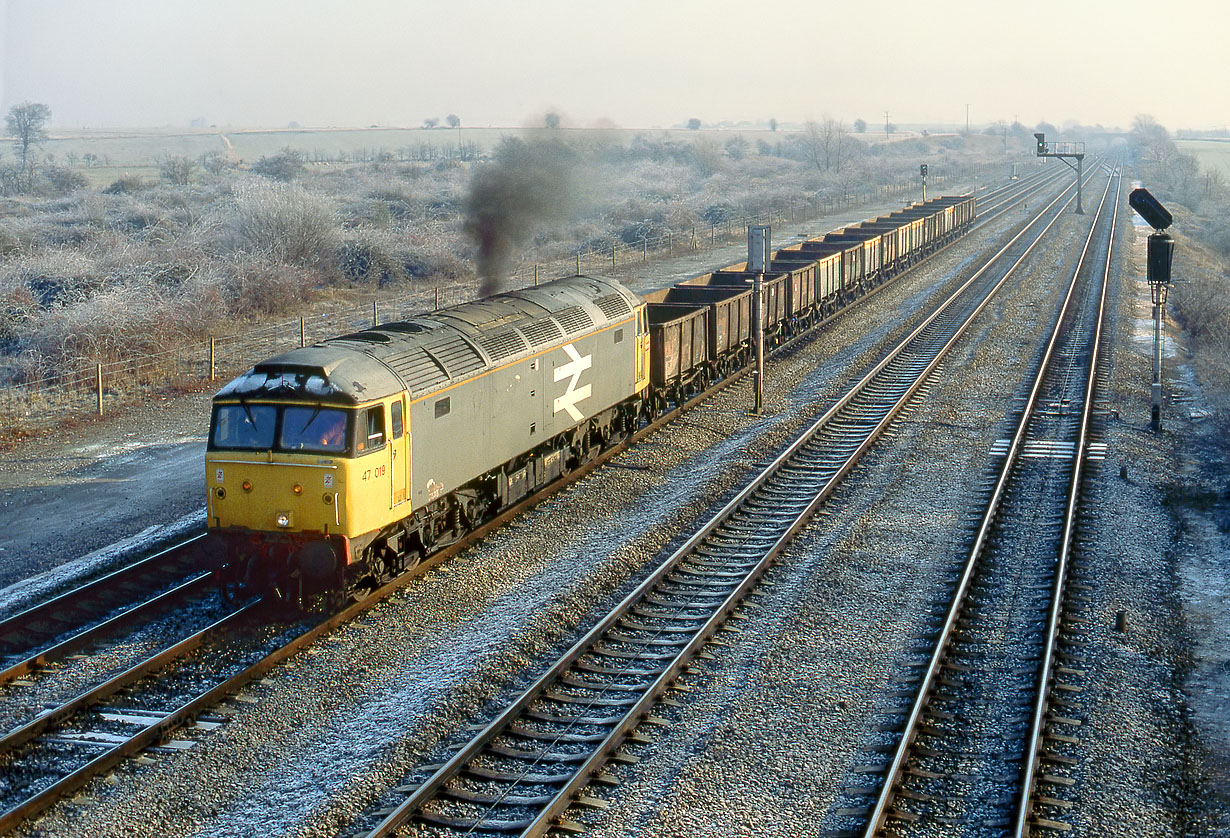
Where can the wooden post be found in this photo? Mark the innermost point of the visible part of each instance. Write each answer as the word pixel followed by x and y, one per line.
pixel 644 250
pixel 535 275
pixel 211 355
pixel 437 298
pixel 613 256
pixel 302 333
pixel 100 389
pixel 578 262
pixel 375 315
pixel 670 243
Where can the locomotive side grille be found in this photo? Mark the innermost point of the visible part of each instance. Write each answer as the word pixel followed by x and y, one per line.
pixel 574 319
pixel 502 345
pixel 542 332
pixel 614 306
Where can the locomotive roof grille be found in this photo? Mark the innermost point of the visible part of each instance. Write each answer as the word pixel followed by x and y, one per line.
pixel 542 331
pixel 574 319
pixel 457 355
pixel 503 345
pixel 614 306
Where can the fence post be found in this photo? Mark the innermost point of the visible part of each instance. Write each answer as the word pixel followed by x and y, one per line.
pixel 578 262
pixel 437 298
pixel 644 250
pixel 535 275
pixel 211 356
pixel 375 315
pixel 100 389
pixel 670 243
pixel 712 235
pixel 613 255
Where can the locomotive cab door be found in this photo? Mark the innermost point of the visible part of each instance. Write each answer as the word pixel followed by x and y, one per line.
pixel 399 452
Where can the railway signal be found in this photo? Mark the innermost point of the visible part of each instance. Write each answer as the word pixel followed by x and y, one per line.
pixel 1158 257
pixel 759 244
pixel 1064 151
pixel 922 171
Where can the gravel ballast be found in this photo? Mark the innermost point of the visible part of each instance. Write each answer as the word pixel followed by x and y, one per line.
pixel 770 730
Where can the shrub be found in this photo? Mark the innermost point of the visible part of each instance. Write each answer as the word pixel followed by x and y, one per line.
pixel 285 224
pixel 63 180
pixel 367 259
pixel 177 170
pixel 125 185
pixel 284 166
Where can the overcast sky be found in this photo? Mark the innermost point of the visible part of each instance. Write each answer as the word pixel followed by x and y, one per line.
pixel 637 63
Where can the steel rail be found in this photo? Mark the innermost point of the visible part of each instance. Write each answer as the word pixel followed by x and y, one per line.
pixel 634 716
pixel 83 638
pixel 1038 722
pixel 82 597
pixel 880 810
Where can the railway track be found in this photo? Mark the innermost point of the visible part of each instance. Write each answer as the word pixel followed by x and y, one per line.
pixel 986 746
pixel 539 757
pixel 139 707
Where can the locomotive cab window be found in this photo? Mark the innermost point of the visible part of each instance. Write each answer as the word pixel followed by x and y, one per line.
pixel 317 429
pixel 397 421
pixel 443 407
pixel 619 335
pixel 370 430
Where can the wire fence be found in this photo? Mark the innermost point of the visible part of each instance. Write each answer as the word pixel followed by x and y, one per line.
pixel 96 387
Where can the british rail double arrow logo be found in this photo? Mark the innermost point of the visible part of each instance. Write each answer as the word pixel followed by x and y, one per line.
pixel 572 370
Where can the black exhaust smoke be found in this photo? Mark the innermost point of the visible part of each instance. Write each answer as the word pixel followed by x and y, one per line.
pixel 527 184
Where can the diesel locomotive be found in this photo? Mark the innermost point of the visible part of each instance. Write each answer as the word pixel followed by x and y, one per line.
pixel 334 467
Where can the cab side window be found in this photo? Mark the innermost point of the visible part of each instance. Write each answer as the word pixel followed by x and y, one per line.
pixel 370 429
pixel 397 422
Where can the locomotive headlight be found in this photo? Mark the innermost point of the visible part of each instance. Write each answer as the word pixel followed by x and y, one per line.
pixel 283 519
pixel 328 498
pixel 247 486
pixel 220 492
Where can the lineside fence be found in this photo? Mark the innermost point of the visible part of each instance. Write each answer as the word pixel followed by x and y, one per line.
pixel 96 386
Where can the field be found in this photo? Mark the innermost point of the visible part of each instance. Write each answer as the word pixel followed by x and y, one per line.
pixel 1212 154
pixel 105 156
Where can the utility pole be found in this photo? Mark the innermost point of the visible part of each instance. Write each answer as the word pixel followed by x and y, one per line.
pixel 967 119
pixel 886 123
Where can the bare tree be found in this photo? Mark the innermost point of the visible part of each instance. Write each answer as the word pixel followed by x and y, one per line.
pixel 813 144
pixel 823 143
pixel 25 123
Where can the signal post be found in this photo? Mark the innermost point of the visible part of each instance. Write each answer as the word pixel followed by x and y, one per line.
pixel 1066 152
